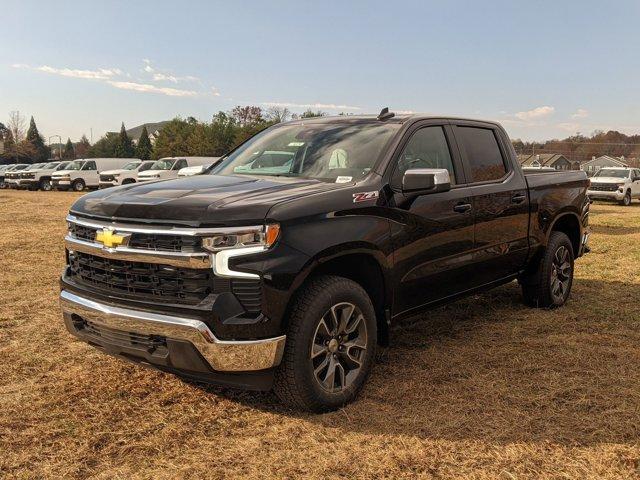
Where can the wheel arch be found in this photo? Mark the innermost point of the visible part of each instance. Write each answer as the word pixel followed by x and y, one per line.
pixel 365 266
pixel 569 224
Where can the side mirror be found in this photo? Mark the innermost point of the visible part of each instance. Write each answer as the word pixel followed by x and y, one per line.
pixel 421 181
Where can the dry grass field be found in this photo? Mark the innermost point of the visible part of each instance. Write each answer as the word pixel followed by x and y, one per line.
pixel 483 388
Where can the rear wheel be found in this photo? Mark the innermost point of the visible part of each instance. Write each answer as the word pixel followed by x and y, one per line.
pixel 78 185
pixel 550 285
pixel 626 200
pixel 330 345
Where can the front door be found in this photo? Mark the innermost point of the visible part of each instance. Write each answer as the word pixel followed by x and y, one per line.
pixel 432 234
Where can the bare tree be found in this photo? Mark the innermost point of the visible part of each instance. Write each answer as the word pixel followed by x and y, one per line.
pixel 17 126
pixel 278 114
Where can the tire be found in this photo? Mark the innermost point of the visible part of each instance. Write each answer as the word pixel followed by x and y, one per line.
pixel 78 185
pixel 321 370
pixel 45 185
pixel 128 181
pixel 550 285
pixel 626 200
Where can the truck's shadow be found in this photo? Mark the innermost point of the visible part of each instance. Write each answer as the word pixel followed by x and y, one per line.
pixel 488 368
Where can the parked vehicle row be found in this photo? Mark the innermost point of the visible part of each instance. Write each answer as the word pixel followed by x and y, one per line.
pixel 93 173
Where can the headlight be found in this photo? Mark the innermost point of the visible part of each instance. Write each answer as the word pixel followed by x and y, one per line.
pixel 262 236
pixel 115 175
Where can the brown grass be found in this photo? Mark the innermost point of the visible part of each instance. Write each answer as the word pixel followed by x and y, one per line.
pixel 484 388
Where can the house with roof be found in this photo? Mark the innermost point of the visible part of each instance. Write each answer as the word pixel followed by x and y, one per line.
pixel 556 161
pixel 152 128
pixel 603 161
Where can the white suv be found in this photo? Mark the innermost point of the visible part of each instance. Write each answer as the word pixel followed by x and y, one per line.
pixel 615 183
pixel 124 175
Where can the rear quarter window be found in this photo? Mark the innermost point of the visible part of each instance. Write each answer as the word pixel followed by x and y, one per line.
pixel 482 153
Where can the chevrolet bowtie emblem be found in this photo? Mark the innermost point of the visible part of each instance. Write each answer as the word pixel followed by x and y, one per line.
pixel 110 239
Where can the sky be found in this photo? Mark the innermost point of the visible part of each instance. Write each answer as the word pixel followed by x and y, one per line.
pixel 544 69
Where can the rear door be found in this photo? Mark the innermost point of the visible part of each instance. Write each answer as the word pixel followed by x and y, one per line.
pixel 500 200
pixel 635 182
pixel 432 234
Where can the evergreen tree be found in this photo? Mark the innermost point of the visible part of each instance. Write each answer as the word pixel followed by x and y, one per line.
pixel 36 146
pixel 124 147
pixel 144 149
pixel 69 153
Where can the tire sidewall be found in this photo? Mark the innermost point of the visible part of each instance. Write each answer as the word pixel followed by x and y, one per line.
pixel 626 201
pixel 559 240
pixel 45 185
pixel 304 368
pixel 78 186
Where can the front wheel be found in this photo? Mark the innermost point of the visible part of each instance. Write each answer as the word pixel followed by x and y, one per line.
pixel 78 185
pixel 330 345
pixel 626 200
pixel 45 185
pixel 550 285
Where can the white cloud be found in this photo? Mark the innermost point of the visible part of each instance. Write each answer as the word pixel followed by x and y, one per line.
pixel 404 112
pixel 215 92
pixel 538 112
pixel 581 113
pixel 99 74
pixel 159 77
pixel 147 88
pixel 321 106
pixel 147 65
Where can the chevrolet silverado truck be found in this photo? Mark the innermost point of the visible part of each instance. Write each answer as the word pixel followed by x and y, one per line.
pixel 286 271
pixel 615 183
pixel 40 178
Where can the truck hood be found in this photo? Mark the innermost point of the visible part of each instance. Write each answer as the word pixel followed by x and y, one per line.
pixel 61 173
pixel 211 200
pixel 114 172
pixel 608 180
pixel 151 173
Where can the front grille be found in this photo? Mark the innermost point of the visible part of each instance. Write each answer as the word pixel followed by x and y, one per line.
pixel 603 187
pixel 81 232
pixel 161 283
pixel 107 178
pixel 150 343
pixel 146 241
pixel 28 175
pixel 171 243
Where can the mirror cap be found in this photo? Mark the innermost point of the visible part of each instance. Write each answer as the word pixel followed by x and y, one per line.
pixel 426 180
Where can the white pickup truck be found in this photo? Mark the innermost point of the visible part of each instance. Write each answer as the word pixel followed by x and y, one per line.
pixel 615 183
pixel 125 175
pixel 167 168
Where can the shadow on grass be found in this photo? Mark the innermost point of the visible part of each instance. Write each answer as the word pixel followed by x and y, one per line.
pixel 614 230
pixel 488 368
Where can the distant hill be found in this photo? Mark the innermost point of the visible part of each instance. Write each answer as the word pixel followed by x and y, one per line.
pixel 152 128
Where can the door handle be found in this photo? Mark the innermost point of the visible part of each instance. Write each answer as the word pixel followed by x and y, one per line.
pixel 518 198
pixel 462 207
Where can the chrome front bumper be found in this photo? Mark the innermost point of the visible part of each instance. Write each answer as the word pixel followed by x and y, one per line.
pixel 222 355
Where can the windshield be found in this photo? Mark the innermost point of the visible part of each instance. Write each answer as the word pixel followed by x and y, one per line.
pixel 77 165
pixel 333 152
pixel 612 172
pixel 62 166
pixel 145 166
pixel 35 166
pixel 131 166
pixel 163 164
pixel 50 166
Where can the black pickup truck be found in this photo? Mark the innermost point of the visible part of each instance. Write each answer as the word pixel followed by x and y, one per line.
pixel 285 264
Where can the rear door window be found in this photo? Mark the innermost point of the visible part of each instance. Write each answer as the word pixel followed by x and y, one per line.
pixel 482 153
pixel 180 164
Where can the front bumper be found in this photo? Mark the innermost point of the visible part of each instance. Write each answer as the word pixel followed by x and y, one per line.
pixel 601 195
pixel 60 184
pixel 186 345
pixel 107 184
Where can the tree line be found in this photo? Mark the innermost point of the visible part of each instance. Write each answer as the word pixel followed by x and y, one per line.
pixel 581 148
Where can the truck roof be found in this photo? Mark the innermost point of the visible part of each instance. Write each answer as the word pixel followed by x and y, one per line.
pixel 397 118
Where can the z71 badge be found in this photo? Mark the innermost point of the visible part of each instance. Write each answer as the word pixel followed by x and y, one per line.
pixel 364 196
